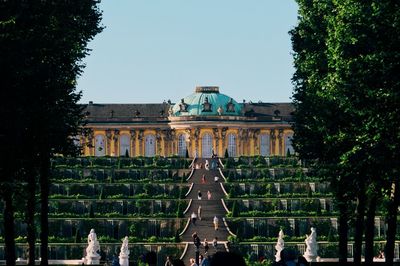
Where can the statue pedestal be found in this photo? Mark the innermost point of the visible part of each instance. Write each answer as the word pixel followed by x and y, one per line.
pixel 124 260
pixel 310 257
pixel 92 260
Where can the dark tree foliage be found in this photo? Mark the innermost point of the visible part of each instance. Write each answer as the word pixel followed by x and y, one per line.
pixel 42 44
pixel 347 97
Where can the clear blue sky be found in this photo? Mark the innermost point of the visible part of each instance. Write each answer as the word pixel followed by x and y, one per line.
pixel 155 50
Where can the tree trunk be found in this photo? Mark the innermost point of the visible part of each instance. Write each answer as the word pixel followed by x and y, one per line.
pixel 30 216
pixel 343 231
pixel 44 208
pixel 392 222
pixel 370 229
pixel 359 226
pixel 9 228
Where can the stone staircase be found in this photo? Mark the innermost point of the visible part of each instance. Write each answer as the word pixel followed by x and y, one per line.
pixel 210 208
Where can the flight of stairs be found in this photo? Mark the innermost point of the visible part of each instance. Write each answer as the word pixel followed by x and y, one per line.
pixel 210 208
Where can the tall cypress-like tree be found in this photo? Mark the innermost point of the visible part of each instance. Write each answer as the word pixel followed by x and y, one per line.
pixel 347 98
pixel 42 44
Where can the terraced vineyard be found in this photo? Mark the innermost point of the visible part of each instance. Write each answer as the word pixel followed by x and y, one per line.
pixel 264 195
pixel 150 199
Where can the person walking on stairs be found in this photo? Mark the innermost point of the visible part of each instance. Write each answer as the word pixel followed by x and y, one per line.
pixel 215 221
pixel 208 195
pixel 216 179
pixel 203 179
pixel 215 244
pixel 206 247
pixel 199 212
pixel 194 218
pixel 199 195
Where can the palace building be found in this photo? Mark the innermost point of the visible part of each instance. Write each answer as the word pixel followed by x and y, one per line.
pixel 203 123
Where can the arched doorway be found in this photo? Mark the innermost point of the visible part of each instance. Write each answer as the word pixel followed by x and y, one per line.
pixel 206 145
pixel 264 145
pixel 150 146
pixel 182 145
pixel 124 145
pixel 99 146
pixel 232 145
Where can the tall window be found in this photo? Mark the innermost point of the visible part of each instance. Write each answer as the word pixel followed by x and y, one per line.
pixel 264 145
pixel 99 145
pixel 206 145
pixel 124 145
pixel 150 146
pixel 182 145
pixel 232 145
pixel 288 144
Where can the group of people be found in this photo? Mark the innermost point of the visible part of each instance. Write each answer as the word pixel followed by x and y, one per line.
pixel 200 195
pixel 197 243
pixel 207 166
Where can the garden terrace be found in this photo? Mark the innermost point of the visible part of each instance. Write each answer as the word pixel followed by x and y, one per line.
pixel 269 174
pixel 109 230
pixel 280 207
pixel 121 162
pixel 114 175
pixel 91 208
pixel 278 189
pixel 295 228
pixel 73 250
pixel 118 191
pixel 261 162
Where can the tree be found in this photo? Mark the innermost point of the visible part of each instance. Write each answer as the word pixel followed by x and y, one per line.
pixel 346 96
pixel 41 46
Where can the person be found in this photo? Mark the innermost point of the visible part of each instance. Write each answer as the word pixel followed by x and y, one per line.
pixel 192 262
pixel 199 212
pixel 215 243
pixel 194 218
pixel 208 195
pixel 215 221
pixel 199 195
pixel 207 165
pixel 203 179
pixel 169 261
pixel 216 179
pixel 206 247
pixel 203 261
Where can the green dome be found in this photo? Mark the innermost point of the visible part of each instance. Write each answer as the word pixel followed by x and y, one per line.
pixel 207 101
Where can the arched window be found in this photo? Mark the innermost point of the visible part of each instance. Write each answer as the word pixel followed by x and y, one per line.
pixel 232 145
pixel 182 145
pixel 288 144
pixel 264 145
pixel 150 146
pixel 206 145
pixel 124 145
pixel 99 145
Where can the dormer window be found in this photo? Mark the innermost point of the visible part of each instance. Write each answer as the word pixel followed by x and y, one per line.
pixel 230 106
pixel 183 106
pixel 206 105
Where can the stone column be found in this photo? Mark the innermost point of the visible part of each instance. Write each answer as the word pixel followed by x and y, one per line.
pixel 216 137
pixel 256 133
pixel 133 143
pixel 115 139
pixel 108 141
pixel 189 145
pixel 196 135
pixel 158 142
pixel 280 138
pixel 89 139
pixel 223 140
pixel 273 142
pixel 140 139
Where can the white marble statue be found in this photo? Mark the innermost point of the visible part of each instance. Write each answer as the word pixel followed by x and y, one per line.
pixel 312 246
pixel 92 255
pixel 280 245
pixel 124 254
pixel 220 110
